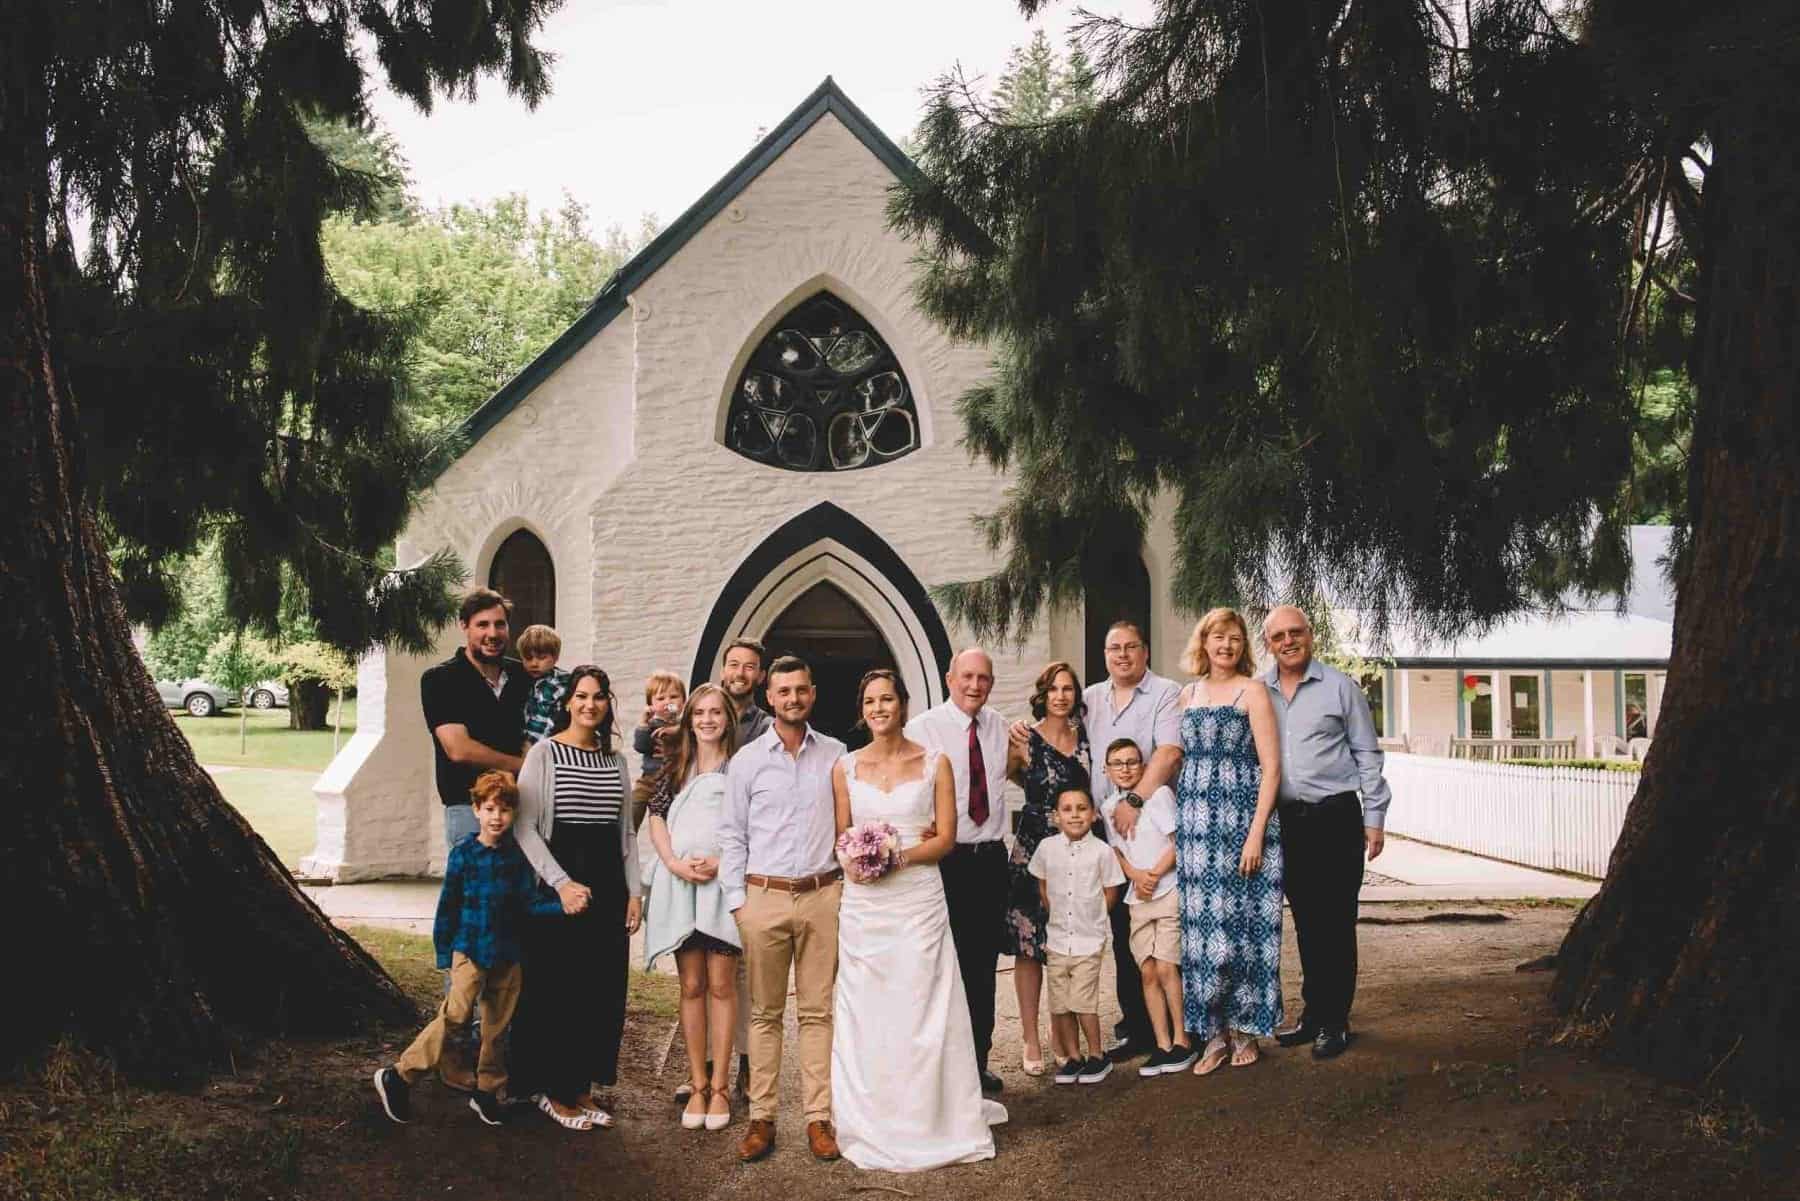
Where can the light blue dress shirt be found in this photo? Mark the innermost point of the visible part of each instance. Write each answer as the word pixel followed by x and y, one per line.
pixel 780 819
pixel 1150 718
pixel 1328 741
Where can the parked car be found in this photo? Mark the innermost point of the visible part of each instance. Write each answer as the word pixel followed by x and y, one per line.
pixel 196 696
pixel 270 694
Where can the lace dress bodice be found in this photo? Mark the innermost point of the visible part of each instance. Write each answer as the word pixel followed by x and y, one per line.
pixel 907 806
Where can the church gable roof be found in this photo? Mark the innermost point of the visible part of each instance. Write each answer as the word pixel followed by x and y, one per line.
pixel 610 301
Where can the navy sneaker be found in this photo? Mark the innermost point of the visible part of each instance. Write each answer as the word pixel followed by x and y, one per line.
pixel 395 1098
pixel 1070 1072
pixel 1153 1066
pixel 1179 1058
pixel 1095 1070
pixel 487 1107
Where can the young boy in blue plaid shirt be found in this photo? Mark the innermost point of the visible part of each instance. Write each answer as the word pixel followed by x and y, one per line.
pixel 489 889
pixel 539 648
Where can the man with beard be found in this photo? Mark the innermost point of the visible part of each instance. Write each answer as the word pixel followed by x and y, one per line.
pixel 475 709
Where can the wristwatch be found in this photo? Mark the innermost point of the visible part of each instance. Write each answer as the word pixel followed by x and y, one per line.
pixel 1133 799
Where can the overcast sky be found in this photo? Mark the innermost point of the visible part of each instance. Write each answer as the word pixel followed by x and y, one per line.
pixel 654 100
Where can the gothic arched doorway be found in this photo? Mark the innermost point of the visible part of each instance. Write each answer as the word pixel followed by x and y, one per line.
pixel 523 573
pixel 840 643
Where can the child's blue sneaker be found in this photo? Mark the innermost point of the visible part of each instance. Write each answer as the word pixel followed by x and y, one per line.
pixel 487 1107
pixel 395 1098
pixel 1069 1071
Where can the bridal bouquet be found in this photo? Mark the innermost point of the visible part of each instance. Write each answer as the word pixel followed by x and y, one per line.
pixel 869 851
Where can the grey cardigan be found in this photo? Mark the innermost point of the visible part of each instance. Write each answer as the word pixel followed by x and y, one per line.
pixel 537 817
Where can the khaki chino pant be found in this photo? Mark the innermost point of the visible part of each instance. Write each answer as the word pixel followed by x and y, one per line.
pixel 496 990
pixel 782 930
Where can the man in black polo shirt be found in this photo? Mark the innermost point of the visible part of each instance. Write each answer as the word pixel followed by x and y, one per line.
pixel 475 708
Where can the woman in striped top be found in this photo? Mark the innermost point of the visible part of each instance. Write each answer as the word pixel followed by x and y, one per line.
pixel 572 827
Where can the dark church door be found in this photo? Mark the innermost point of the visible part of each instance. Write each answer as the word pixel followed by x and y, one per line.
pixel 825 627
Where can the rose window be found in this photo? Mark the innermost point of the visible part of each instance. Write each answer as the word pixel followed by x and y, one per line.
pixel 822 393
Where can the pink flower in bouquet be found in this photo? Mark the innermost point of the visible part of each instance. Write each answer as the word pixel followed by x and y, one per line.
pixel 869 851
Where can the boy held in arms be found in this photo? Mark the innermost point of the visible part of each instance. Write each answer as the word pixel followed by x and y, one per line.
pixel 1147 858
pixel 539 648
pixel 1079 881
pixel 489 888
pixel 664 695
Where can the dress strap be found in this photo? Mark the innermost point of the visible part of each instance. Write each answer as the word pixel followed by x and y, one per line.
pixel 849 762
pixel 1237 696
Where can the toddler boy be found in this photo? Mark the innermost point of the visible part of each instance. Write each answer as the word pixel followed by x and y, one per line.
pixel 1148 860
pixel 664 695
pixel 1078 880
pixel 488 890
pixel 539 648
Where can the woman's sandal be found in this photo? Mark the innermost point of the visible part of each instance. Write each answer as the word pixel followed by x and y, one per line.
pixel 578 1121
pixel 1245 1050
pixel 691 1118
pixel 596 1113
pixel 1214 1057
pixel 716 1120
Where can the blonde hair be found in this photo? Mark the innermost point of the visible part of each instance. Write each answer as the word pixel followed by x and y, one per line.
pixel 1193 659
pixel 539 640
pixel 678 766
pixel 659 680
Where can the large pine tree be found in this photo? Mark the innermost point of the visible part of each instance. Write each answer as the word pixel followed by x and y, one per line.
pixel 178 365
pixel 1356 281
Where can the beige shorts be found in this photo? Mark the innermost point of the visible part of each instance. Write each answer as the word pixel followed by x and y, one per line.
pixel 1156 928
pixel 1073 982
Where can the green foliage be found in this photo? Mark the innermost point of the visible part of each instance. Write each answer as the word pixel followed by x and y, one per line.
pixel 371 151
pixel 308 662
pixel 1346 279
pixel 491 285
pixel 238 660
pixel 1038 86
pixel 227 389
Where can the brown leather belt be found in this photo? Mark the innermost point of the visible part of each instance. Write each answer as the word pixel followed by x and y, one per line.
pixel 793 884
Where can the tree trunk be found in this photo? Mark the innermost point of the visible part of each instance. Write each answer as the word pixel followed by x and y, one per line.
pixel 146 919
pixel 308 703
pixel 1689 958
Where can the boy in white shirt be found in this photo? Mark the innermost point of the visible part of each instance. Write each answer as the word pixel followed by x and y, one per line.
pixel 1148 861
pixel 1079 881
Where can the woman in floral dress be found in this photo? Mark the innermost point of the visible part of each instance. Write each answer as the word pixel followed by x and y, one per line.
pixel 1054 757
pixel 1228 847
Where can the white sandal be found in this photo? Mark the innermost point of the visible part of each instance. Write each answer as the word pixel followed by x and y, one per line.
pixel 580 1121
pixel 595 1114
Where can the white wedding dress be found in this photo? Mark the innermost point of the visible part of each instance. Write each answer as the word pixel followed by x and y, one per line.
pixel 905 1095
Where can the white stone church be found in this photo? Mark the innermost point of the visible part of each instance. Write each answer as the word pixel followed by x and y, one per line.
pixel 751 431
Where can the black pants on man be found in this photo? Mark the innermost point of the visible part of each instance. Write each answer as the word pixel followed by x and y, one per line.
pixel 1322 849
pixel 975 891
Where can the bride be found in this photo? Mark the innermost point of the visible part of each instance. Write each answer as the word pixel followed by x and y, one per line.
pixel 904 1088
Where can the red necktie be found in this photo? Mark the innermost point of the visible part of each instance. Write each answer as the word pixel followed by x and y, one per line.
pixel 978 797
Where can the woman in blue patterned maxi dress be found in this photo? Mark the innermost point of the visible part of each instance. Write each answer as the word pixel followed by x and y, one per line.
pixel 1228 847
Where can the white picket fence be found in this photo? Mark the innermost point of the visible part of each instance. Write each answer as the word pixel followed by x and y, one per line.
pixel 1559 818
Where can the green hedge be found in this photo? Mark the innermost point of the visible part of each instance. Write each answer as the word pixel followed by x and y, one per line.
pixel 1631 765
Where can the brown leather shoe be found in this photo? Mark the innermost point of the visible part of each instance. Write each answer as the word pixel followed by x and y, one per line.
pixel 759 1140
pixel 822 1139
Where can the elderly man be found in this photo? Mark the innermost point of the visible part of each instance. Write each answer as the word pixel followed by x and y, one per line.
pixel 1329 754
pixel 973 737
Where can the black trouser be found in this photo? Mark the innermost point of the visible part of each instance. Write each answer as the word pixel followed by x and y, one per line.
pixel 975 891
pixel 1322 845
pixel 1134 1017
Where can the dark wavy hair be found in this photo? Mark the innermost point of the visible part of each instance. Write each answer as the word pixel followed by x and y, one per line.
pixel 1040 691
pixel 881 673
pixel 605 732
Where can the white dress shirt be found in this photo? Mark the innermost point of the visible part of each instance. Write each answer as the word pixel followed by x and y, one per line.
pixel 1076 872
pixel 780 819
pixel 1150 840
pixel 945 728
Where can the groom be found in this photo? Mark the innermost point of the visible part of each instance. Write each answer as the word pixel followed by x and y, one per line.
pixel 778 869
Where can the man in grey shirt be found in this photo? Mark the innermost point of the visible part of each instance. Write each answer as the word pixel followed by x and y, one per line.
pixel 1329 754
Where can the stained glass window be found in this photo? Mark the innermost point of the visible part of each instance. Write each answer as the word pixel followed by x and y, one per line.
pixel 822 393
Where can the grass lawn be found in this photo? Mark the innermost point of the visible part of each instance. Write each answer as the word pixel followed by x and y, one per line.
pixel 268 742
pixel 279 805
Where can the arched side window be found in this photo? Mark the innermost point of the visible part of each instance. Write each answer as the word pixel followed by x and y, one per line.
pixel 523 573
pixel 822 392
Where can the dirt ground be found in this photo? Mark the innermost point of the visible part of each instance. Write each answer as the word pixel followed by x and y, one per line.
pixel 1456 1087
